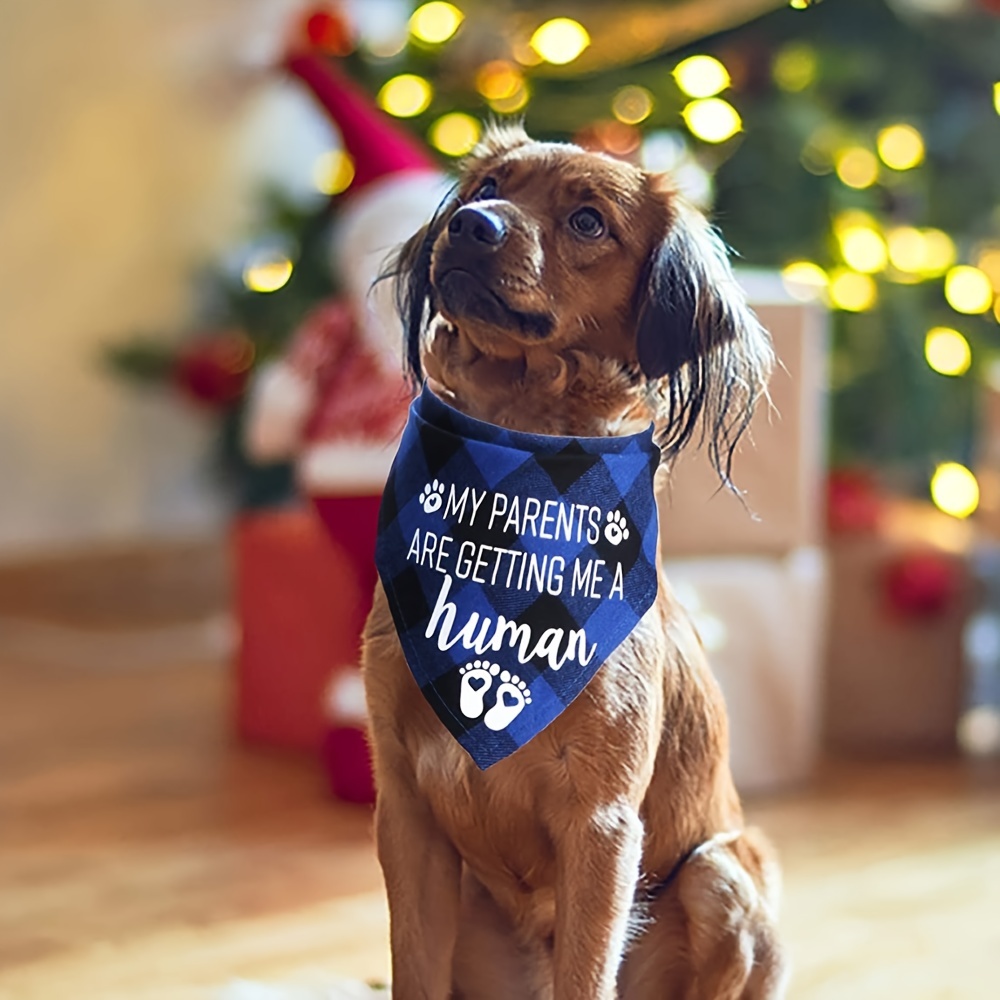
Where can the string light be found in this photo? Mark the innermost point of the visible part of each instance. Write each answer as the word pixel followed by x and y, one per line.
pixel 857 167
pixel 523 52
pixel 863 248
pixel 712 119
pixel 901 147
pixel 851 291
pixel 939 252
pixel 267 272
pixel 795 67
pixel 405 96
pixel 664 150
pixel 701 76
pixel 455 134
pixel 927 253
pixel 988 262
pixel 499 79
pixel 954 489
pixel 804 280
pixel 615 137
pixel 333 172
pixel 968 290
pixel 996 97
pixel 632 105
pixel 386 47
pixel 819 152
pixel 947 351
pixel 514 103
pixel 907 249
pixel 560 40
pixel 852 218
pixel 815 162
pixel 435 22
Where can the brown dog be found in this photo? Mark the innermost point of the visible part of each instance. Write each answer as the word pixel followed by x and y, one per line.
pixel 561 292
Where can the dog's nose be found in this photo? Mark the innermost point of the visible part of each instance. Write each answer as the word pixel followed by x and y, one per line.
pixel 478 227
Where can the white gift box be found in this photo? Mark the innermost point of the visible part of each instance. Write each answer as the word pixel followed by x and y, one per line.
pixel 761 620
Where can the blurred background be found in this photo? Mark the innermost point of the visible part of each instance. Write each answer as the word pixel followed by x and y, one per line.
pixel 200 397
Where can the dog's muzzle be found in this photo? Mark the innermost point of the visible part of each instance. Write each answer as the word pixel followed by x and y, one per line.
pixel 469 274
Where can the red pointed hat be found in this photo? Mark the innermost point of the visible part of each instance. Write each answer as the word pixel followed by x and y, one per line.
pixel 377 146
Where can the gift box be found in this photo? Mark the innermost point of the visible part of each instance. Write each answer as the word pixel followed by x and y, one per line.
pixel 780 464
pixel 761 620
pixel 899 604
pixel 298 601
pixel 751 569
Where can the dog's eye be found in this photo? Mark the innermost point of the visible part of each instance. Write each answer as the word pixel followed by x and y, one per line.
pixel 486 190
pixel 587 222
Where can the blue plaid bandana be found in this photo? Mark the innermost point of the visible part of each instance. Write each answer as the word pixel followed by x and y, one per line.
pixel 514 565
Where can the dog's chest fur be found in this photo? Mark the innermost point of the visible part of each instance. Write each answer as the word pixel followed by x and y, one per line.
pixel 601 749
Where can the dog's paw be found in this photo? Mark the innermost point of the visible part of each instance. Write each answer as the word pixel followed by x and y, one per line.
pixel 476 681
pixel 432 496
pixel 512 695
pixel 616 530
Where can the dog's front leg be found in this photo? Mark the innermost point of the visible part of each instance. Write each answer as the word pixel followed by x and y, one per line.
pixel 422 877
pixel 598 866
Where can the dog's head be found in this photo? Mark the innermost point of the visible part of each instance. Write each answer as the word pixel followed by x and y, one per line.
pixel 547 248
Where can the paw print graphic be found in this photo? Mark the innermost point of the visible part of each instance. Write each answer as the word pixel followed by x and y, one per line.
pixel 616 530
pixel 432 496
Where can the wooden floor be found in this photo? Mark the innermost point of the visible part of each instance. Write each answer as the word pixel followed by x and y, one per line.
pixel 143 855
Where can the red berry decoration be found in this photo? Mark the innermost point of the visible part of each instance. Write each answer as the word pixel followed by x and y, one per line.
pixel 854 503
pixel 920 584
pixel 327 30
pixel 213 371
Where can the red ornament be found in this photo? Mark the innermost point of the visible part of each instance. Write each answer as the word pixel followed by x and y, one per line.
pixel 990 6
pixel 854 503
pixel 920 584
pixel 327 30
pixel 213 370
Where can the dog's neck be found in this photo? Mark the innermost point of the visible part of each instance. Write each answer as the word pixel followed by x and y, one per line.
pixel 536 390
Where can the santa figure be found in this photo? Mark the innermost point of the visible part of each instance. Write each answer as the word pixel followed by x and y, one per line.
pixel 337 401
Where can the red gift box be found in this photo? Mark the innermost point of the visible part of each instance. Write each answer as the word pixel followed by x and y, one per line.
pixel 301 609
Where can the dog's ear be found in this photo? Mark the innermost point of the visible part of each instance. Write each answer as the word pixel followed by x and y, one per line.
pixel 698 341
pixel 409 268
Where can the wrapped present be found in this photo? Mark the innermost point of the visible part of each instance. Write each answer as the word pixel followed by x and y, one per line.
pixel 780 463
pixel 900 600
pixel 299 604
pixel 761 620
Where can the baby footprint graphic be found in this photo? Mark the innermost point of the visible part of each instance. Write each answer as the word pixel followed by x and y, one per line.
pixel 476 681
pixel 512 695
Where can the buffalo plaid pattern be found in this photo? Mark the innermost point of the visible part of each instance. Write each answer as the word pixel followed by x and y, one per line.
pixel 491 701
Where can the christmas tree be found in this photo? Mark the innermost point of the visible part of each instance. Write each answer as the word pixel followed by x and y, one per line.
pixel 852 144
